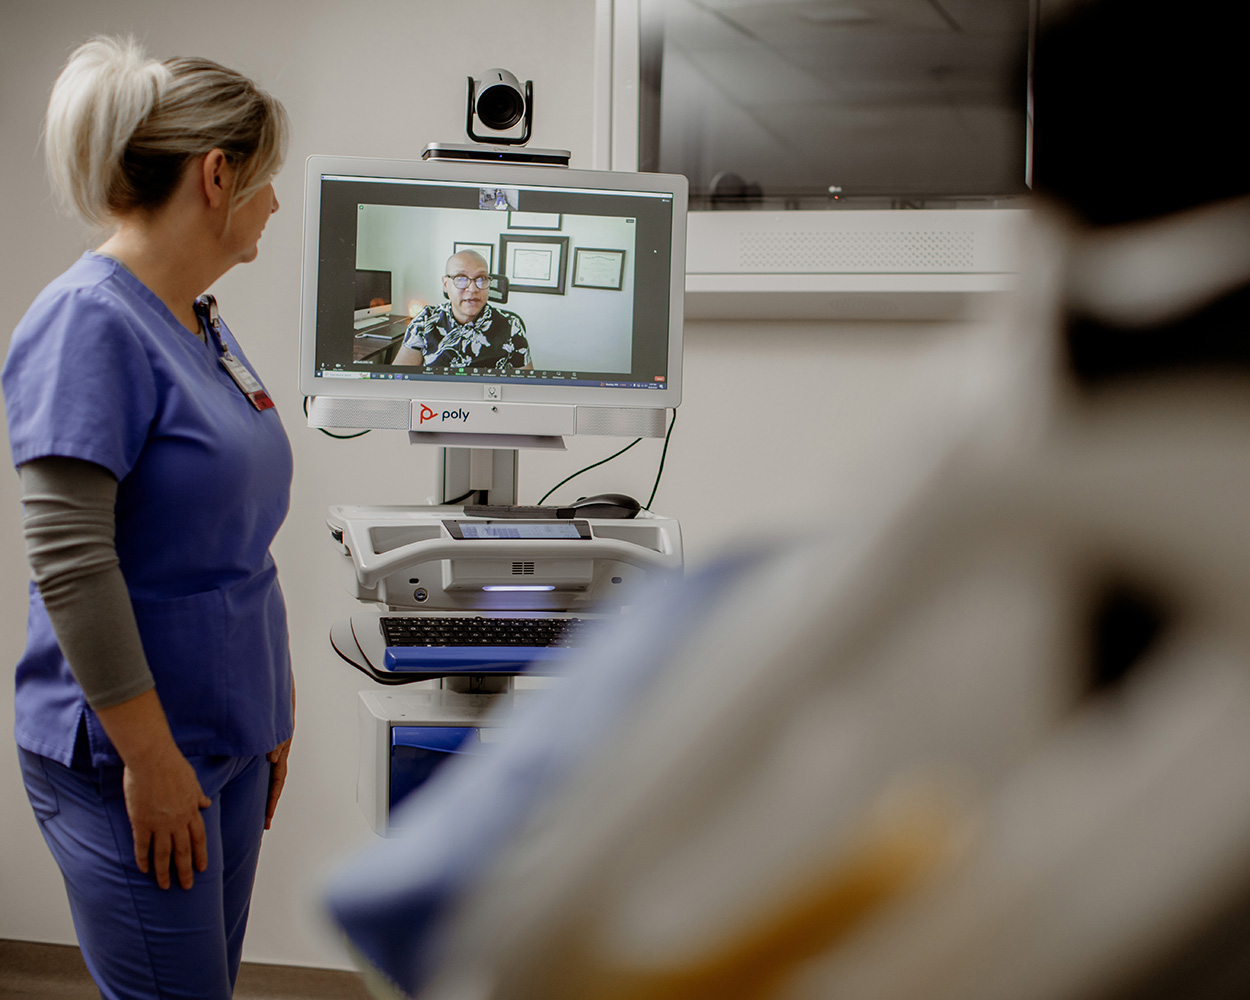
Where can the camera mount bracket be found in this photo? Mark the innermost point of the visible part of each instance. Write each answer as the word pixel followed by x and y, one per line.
pixel 483 153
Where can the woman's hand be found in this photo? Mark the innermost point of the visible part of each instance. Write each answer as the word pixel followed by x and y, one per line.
pixel 277 778
pixel 163 800
pixel 163 795
pixel 277 773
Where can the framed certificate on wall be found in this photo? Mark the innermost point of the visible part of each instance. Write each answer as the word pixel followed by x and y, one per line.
pixel 534 263
pixel 595 267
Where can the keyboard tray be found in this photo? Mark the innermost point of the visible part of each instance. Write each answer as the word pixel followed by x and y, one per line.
pixel 361 642
pixel 473 659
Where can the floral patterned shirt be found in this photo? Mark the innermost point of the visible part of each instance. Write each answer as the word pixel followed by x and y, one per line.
pixel 496 339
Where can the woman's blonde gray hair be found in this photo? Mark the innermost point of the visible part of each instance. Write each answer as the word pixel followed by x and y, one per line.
pixel 121 128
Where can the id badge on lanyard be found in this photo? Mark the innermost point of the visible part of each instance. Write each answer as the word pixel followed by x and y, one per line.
pixel 206 305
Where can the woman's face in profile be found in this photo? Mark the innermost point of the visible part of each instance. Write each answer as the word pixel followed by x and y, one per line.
pixel 247 222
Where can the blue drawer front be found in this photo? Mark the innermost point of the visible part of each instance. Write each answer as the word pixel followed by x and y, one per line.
pixel 416 751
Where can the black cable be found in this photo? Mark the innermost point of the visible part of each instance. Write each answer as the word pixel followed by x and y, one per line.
pixel 337 437
pixel 587 469
pixel 462 498
pixel 663 454
pixel 342 437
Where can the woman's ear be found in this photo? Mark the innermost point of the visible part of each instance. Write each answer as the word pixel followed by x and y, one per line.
pixel 217 178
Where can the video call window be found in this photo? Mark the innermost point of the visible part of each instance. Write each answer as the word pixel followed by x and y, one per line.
pixel 531 259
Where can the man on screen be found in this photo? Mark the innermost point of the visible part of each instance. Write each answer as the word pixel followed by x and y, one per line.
pixel 465 331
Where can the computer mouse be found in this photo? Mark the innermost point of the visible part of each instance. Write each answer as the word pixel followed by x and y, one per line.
pixel 602 505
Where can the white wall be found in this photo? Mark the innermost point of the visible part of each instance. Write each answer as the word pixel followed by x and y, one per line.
pixel 791 419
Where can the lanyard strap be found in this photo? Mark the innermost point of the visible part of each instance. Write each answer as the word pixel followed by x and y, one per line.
pixel 206 309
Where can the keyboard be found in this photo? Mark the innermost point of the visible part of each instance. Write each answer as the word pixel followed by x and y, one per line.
pixel 369 322
pixel 463 644
pixel 464 631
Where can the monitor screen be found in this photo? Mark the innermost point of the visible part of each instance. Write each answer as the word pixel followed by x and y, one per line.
pixel 373 293
pixel 531 292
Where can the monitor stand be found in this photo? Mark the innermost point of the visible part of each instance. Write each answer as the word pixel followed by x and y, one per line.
pixel 492 473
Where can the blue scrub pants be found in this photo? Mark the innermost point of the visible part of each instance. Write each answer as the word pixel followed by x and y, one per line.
pixel 139 941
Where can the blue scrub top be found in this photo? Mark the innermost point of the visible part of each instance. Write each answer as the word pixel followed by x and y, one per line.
pixel 99 369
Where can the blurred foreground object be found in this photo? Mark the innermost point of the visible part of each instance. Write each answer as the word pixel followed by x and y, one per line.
pixel 997 745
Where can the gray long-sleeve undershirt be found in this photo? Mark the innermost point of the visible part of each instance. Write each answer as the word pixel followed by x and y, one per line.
pixel 69 527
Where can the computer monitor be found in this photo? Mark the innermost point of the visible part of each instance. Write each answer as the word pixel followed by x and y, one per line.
pixel 577 329
pixel 373 294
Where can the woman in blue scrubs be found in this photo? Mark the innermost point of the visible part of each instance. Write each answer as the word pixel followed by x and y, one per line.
pixel 154 701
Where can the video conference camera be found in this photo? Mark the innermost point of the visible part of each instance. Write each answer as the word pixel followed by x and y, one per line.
pixel 499 104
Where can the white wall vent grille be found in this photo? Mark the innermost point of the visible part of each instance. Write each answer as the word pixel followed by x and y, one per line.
pixel 916 250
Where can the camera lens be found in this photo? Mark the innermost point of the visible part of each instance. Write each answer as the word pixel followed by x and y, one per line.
pixel 500 107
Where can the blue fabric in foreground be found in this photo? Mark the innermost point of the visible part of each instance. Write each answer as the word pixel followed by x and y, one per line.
pixel 391 900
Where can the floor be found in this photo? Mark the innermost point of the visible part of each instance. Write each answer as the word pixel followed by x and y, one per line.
pixel 31 971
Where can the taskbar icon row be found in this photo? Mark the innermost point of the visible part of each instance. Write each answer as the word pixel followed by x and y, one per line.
pixel 505 375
